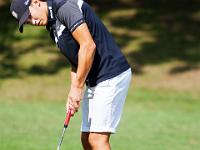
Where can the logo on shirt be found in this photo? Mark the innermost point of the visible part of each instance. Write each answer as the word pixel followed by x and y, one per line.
pixel 15 14
pixel 51 12
pixel 26 2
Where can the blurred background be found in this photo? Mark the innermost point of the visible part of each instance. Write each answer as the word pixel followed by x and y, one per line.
pixel 160 39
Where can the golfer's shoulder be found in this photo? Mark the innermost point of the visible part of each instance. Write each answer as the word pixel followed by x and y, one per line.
pixel 69 10
pixel 70 6
pixel 70 14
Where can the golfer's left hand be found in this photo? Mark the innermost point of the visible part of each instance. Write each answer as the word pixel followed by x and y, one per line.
pixel 74 99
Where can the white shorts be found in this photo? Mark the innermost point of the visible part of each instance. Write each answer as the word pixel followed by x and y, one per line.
pixel 103 104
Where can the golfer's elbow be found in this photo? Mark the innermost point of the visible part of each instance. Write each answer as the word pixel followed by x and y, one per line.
pixel 90 49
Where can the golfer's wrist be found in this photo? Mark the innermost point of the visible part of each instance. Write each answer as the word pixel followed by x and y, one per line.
pixel 78 84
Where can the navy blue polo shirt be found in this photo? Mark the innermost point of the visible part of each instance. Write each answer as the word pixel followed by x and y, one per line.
pixel 108 60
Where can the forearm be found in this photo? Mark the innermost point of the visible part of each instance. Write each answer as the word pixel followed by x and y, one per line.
pixel 72 75
pixel 85 55
pixel 85 60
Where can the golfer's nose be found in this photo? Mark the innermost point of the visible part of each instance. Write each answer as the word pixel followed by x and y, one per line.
pixel 35 21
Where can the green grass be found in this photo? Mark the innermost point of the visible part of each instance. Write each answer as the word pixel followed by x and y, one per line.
pixel 150 121
pixel 35 126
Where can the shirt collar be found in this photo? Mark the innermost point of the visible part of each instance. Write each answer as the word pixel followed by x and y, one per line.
pixel 51 15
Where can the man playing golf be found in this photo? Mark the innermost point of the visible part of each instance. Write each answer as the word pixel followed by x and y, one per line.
pixel 95 60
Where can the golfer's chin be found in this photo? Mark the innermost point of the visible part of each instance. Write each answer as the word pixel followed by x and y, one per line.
pixel 42 23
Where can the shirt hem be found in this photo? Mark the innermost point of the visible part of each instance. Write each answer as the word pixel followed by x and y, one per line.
pixel 108 76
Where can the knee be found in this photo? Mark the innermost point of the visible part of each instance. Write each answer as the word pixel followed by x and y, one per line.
pixel 96 140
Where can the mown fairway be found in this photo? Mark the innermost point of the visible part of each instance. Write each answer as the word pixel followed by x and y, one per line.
pixel 162 111
pixel 150 121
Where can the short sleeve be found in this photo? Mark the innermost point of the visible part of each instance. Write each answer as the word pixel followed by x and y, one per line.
pixel 70 14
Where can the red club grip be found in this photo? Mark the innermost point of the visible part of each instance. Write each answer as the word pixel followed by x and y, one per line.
pixel 67 119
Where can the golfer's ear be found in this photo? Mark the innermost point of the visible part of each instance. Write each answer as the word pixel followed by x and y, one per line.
pixel 35 2
pixel 82 35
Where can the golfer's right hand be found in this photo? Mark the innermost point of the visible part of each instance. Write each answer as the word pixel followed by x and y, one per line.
pixel 69 107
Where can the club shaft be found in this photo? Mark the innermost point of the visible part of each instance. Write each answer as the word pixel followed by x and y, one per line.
pixel 61 138
pixel 67 119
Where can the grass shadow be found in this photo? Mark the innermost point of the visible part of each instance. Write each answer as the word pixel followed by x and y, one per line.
pixel 174 26
pixel 10 54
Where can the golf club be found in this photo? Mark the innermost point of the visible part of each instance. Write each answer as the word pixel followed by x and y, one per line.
pixel 67 119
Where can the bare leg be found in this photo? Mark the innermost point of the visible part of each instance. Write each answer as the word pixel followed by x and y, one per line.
pixel 95 141
pixel 85 141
